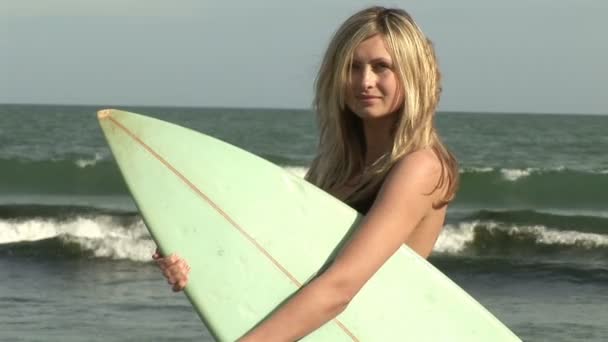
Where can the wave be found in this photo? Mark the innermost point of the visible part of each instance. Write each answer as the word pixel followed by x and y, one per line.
pixel 467 248
pixel 70 176
pixel 93 236
pixel 482 239
pixel 487 187
pixel 513 175
pixel 295 161
pixel 298 171
pixel 87 162
pixel 20 212
pixel 485 248
pixel 78 176
pixel 533 188
pixel 70 231
pixel 586 222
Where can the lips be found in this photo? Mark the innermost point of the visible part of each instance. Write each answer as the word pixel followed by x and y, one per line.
pixel 367 100
pixel 367 97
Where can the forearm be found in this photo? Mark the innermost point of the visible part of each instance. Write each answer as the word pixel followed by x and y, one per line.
pixel 310 308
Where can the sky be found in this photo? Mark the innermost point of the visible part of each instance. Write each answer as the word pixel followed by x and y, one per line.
pixel 531 56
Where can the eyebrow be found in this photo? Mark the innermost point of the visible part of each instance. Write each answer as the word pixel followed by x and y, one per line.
pixel 375 60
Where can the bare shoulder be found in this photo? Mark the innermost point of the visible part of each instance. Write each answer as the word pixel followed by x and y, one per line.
pixel 424 160
pixel 420 169
pixel 411 185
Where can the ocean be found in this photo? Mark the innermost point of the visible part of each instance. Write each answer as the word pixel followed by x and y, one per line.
pixel 527 235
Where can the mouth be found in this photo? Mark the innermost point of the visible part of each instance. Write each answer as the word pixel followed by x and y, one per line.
pixel 367 100
pixel 367 97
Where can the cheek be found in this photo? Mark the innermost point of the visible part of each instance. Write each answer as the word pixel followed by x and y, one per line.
pixel 351 90
pixel 352 87
pixel 395 91
pixel 349 95
pixel 395 87
pixel 399 94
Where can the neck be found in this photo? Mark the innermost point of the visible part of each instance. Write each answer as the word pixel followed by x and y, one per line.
pixel 378 137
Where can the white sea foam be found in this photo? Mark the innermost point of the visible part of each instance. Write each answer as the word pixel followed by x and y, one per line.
pixel 105 239
pixel 575 212
pixel 100 235
pixel 32 230
pixel 297 170
pixel 82 163
pixel 515 174
pixel 548 236
pixel 454 238
pixel 476 170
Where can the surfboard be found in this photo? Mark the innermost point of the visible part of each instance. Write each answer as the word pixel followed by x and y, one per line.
pixel 254 234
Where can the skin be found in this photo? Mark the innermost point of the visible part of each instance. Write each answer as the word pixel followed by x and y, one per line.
pixel 373 94
pixel 402 212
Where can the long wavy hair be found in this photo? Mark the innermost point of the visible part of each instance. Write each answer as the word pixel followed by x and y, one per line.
pixel 341 148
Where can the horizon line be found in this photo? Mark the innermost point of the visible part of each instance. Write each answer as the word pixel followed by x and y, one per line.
pixel 102 106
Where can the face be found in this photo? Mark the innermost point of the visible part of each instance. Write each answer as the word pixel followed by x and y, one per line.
pixel 373 92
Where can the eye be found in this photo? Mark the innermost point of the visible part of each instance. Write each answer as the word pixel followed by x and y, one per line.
pixel 382 66
pixel 355 66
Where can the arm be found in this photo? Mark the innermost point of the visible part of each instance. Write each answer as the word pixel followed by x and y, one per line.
pixel 405 198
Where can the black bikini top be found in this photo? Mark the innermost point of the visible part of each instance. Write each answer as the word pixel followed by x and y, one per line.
pixel 364 205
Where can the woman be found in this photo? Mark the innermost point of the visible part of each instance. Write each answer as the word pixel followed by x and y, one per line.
pixel 376 95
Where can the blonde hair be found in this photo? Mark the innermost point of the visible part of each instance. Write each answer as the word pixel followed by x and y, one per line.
pixel 341 148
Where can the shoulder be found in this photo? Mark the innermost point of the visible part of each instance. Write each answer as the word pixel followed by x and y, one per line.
pixel 411 184
pixel 423 161
pixel 420 169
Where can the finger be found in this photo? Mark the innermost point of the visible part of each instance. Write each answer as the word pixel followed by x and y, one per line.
pixel 178 265
pixel 180 285
pixel 156 255
pixel 168 274
pixel 178 271
pixel 173 259
pixel 176 277
pixel 169 261
pixel 171 273
pixel 176 287
pixel 175 272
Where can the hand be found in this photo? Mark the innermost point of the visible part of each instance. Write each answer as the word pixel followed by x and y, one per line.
pixel 174 268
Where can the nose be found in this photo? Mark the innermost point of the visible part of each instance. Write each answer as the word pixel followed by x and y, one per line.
pixel 368 78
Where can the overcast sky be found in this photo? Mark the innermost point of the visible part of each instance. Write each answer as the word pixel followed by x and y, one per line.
pixel 499 56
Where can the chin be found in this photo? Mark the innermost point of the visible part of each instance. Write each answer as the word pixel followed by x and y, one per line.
pixel 372 113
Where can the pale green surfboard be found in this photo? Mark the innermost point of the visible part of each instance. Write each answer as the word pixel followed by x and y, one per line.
pixel 254 234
